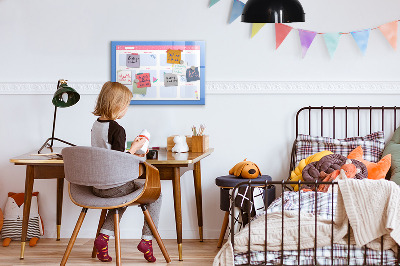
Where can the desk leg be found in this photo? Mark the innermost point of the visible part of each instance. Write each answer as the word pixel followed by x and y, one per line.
pixel 60 190
pixel 199 204
pixel 27 206
pixel 176 182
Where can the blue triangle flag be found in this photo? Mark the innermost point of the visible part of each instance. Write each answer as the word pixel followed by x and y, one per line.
pixel 213 2
pixel 332 41
pixel 237 9
pixel 361 37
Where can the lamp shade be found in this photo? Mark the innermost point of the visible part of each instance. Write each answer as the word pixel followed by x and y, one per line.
pixel 273 11
pixel 65 96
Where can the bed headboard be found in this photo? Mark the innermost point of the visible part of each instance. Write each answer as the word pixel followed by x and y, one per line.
pixel 344 121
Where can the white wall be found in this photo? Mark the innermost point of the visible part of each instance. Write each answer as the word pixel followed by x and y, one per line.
pixel 43 41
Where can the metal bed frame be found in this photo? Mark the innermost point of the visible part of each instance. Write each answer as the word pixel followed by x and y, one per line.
pixel 283 184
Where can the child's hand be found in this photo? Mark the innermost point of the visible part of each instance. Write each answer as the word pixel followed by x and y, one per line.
pixel 137 144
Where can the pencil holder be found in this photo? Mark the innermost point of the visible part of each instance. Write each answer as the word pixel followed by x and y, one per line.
pixel 200 143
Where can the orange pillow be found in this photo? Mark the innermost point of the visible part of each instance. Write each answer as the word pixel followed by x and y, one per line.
pixel 375 170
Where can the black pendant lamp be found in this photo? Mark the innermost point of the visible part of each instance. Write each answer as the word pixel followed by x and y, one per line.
pixel 273 11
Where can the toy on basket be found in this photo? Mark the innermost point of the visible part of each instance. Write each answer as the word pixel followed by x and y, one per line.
pixel 245 169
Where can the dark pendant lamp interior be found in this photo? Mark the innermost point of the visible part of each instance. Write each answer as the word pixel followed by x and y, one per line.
pixel 273 11
pixel 64 96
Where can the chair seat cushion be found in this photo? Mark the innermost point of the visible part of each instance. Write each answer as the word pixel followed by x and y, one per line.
pixel 83 195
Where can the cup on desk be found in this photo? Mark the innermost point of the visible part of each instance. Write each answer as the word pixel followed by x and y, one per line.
pixel 152 155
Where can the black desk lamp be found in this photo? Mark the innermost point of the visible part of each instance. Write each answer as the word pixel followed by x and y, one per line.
pixel 65 96
pixel 272 11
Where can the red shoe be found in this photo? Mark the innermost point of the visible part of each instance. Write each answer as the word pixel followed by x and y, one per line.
pixel 146 247
pixel 101 245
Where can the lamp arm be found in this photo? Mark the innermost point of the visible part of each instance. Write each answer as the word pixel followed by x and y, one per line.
pixel 54 126
pixel 54 118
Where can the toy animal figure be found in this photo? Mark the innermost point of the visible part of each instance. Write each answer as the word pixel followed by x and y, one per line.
pixel 245 169
pixel 180 144
pixel 13 215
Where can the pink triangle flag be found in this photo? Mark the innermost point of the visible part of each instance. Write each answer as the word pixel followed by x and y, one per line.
pixel 389 30
pixel 281 31
pixel 306 39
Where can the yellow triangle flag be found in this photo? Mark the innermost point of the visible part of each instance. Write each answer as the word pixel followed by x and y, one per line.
pixel 256 27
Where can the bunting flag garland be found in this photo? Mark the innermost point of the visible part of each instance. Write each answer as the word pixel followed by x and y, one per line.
pixel 332 41
pixel 237 9
pixel 213 2
pixel 389 30
pixel 361 37
pixel 256 27
pixel 281 31
pixel 306 39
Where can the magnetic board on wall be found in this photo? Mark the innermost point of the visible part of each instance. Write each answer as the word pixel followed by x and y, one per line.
pixel 159 72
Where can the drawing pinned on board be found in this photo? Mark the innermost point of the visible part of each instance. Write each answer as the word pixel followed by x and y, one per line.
pixel 124 77
pixel 154 80
pixel 174 56
pixel 170 80
pixel 137 90
pixel 192 74
pixel 179 69
pixel 144 80
pixel 133 60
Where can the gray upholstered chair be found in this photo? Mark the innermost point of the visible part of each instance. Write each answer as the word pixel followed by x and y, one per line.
pixel 85 167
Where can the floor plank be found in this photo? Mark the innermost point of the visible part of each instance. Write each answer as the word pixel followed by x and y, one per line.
pixel 49 252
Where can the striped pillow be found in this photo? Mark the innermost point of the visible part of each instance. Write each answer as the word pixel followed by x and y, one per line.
pixel 372 145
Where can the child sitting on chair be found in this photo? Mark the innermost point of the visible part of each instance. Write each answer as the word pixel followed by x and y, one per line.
pixel 112 103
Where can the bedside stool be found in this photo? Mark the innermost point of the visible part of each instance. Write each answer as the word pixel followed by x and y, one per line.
pixel 228 182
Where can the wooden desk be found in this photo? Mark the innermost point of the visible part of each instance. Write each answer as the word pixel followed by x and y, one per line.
pixel 40 167
pixel 171 167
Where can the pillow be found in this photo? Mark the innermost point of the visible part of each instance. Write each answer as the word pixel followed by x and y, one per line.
pixel 375 170
pixel 329 164
pixel 296 174
pixel 372 144
pixel 393 148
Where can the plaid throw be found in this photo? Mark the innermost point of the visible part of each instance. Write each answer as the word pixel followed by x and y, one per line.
pixel 247 204
pixel 372 145
pixel 323 207
pixel 340 254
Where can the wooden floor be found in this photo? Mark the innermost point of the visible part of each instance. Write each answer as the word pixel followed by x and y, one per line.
pixel 50 252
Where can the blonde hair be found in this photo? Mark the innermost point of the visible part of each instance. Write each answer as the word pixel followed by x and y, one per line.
pixel 112 99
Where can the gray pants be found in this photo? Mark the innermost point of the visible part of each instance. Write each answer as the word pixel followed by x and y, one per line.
pixel 153 208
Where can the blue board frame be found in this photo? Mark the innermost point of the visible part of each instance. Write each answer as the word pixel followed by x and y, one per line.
pixel 201 101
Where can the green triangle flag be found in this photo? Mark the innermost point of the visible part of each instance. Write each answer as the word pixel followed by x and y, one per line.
pixel 213 2
pixel 332 41
pixel 256 27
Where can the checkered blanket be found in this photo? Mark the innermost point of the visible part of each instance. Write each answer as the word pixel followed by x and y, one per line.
pixel 324 206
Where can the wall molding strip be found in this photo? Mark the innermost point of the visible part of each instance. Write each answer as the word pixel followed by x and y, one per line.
pixel 231 87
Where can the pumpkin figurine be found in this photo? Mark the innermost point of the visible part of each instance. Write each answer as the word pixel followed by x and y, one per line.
pixel 245 169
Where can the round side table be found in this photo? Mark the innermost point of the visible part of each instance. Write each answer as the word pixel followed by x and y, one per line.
pixel 228 182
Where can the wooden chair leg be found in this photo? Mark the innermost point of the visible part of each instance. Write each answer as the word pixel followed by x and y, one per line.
pixel 101 222
pixel 73 237
pixel 223 229
pixel 154 230
pixel 117 238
